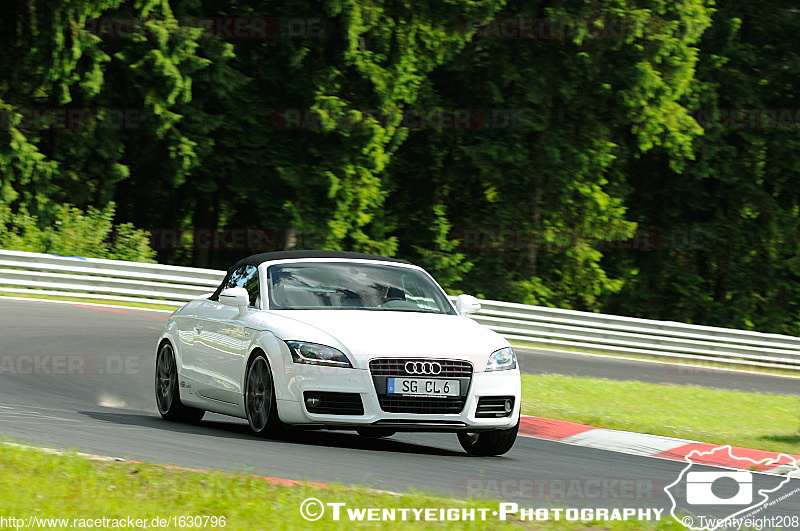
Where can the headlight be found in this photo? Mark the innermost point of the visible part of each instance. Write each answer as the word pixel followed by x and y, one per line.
pixel 502 360
pixel 315 354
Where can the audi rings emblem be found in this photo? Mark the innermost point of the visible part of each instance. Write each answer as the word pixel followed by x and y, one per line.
pixel 423 367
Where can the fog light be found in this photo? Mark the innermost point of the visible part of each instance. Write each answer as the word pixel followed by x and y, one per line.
pixel 313 401
pixel 508 405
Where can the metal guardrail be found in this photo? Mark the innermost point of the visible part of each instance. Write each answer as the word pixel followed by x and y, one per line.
pixel 586 331
pixel 125 282
pixel 107 280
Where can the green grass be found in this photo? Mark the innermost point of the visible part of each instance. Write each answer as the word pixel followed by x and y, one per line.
pixel 69 486
pixel 34 483
pixel 90 301
pixel 751 420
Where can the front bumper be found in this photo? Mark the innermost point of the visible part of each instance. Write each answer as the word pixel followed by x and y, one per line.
pixel 301 378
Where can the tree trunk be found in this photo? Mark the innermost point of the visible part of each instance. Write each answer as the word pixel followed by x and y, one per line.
pixel 289 238
pixel 206 217
pixel 536 218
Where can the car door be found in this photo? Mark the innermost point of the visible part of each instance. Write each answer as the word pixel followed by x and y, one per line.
pixel 221 341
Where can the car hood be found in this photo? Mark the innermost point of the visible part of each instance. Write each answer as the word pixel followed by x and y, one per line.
pixel 370 334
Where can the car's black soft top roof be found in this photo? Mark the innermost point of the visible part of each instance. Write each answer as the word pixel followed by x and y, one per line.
pixel 258 259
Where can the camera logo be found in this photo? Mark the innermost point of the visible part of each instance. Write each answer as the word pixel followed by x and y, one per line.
pixel 706 498
pixel 699 488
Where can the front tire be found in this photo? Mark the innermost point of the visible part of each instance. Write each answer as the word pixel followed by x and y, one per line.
pixel 168 397
pixel 488 443
pixel 259 399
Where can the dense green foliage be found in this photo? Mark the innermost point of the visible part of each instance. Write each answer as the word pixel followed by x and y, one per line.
pixel 734 256
pixel 91 234
pixel 572 154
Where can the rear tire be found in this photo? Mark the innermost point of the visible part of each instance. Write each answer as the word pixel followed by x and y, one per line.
pixel 259 399
pixel 168 396
pixel 376 432
pixel 488 443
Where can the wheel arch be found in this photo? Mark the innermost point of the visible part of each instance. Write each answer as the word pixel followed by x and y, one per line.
pixel 255 351
pixel 276 353
pixel 170 335
pixel 163 340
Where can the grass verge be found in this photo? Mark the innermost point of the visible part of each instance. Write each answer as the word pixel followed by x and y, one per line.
pixel 751 420
pixel 40 484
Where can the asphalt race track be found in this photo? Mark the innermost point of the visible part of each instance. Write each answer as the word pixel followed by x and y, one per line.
pixel 81 377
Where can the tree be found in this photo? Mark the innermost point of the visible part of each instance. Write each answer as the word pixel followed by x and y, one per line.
pixel 535 178
pixel 79 104
pixel 292 132
pixel 731 217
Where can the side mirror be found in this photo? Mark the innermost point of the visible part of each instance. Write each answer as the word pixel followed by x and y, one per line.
pixel 236 297
pixel 467 304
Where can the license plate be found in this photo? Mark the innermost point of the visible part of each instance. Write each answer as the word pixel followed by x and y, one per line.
pixel 423 387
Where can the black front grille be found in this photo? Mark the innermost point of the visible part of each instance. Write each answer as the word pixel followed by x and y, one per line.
pixel 397 367
pixel 493 406
pixel 421 405
pixel 334 403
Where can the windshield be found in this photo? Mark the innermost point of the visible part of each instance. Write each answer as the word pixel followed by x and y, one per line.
pixel 342 286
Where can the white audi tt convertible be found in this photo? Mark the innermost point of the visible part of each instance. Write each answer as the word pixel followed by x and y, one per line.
pixel 335 340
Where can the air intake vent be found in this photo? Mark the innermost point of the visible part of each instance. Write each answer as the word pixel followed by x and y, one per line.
pixel 421 405
pixel 495 406
pixel 326 403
